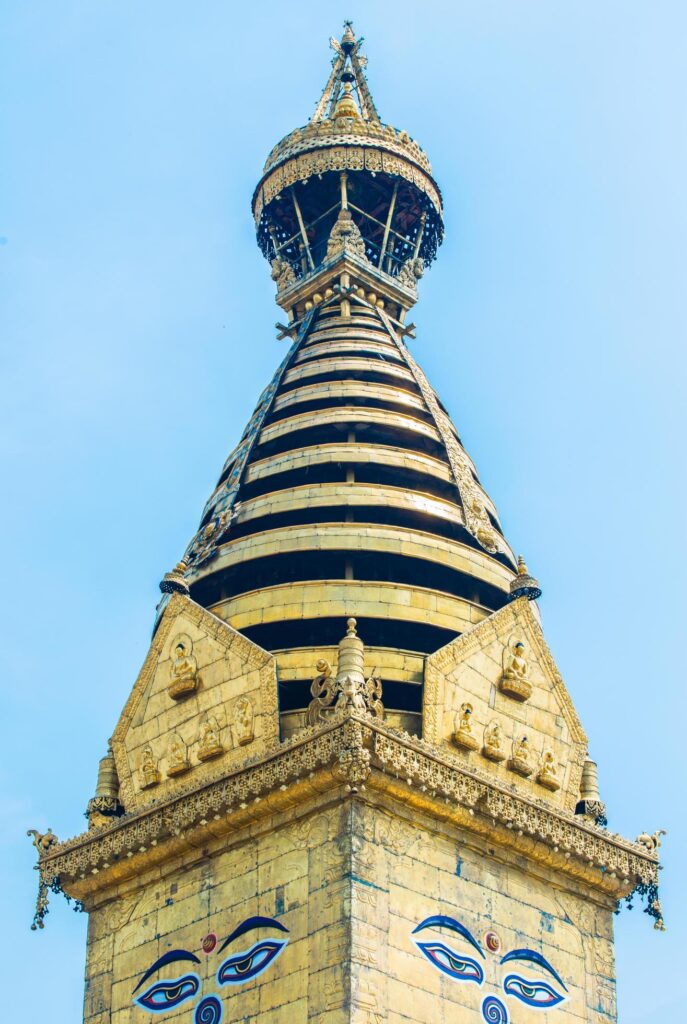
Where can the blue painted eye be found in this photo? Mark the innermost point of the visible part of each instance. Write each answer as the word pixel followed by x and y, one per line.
pixel 248 965
pixel 533 993
pixel 462 968
pixel 164 995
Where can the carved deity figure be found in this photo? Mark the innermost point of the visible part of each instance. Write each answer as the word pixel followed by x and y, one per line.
pixel 184 671
pixel 350 691
pixel 521 761
pixel 515 681
pixel 547 775
pixel 210 744
pixel 244 721
pixel 464 736
pixel 177 761
pixel 150 776
pixel 494 745
pixel 345 237
pixel 350 695
pixel 283 273
pixel 410 273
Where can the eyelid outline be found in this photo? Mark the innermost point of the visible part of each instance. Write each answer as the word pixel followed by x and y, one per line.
pixel 172 956
pixel 168 983
pixel 424 949
pixel 248 925
pixel 277 945
pixel 531 956
pixel 442 921
pixel 556 1001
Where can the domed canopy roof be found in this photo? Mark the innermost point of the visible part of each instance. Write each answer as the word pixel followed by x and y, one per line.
pixel 346 134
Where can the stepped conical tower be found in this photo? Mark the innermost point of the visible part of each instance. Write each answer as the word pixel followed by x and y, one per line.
pixel 349 783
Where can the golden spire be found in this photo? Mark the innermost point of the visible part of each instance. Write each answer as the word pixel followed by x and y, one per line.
pixel 347 69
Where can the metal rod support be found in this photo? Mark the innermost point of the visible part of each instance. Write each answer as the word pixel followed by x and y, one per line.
pixel 344 190
pixel 387 226
pixel 418 240
pixel 301 225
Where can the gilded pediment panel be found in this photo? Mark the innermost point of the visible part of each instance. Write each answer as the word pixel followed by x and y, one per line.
pixel 204 702
pixel 495 697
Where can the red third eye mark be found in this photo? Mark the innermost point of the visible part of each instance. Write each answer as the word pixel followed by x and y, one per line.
pixel 492 942
pixel 209 942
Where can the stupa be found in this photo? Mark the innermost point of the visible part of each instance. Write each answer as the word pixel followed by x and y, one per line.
pixel 349 783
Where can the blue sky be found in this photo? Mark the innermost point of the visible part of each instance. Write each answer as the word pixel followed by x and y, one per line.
pixel 137 331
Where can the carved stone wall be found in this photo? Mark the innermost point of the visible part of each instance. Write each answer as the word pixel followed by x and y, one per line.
pixel 228 715
pixel 470 672
pixel 351 882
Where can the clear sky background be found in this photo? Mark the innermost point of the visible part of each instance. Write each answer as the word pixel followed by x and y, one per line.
pixel 137 331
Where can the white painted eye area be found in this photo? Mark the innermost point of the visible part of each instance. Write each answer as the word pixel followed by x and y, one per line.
pixel 164 995
pixel 461 968
pixel 244 966
pixel 537 994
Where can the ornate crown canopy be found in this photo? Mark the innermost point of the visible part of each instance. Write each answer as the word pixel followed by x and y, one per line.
pixel 347 165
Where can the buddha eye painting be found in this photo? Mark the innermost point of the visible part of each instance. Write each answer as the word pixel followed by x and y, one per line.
pixel 157 991
pixel 522 976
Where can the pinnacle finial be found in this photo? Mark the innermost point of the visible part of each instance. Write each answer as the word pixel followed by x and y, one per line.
pixel 348 37
pixel 350 627
pixel 174 582
pixel 347 66
pixel 524 585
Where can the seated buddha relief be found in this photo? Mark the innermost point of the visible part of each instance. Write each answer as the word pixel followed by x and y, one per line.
pixel 494 747
pixel 464 735
pixel 521 759
pixel 177 756
pixel 210 744
pixel 515 681
pixel 183 679
pixel 547 775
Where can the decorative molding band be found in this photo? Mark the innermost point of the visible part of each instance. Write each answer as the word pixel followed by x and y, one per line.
pixel 341 154
pixel 351 748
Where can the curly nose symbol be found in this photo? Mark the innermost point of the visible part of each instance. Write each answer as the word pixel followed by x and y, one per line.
pixel 493 1011
pixel 208 1011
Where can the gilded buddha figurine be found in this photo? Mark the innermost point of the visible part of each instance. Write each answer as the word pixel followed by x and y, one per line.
pixel 210 744
pixel 547 775
pixel 150 776
pixel 177 760
pixel 521 761
pixel 244 721
pixel 184 671
pixel 464 736
pixel 494 746
pixel 515 680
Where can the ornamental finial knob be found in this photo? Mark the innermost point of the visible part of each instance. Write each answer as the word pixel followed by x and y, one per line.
pixel 524 585
pixel 348 37
pixel 346 105
pixel 174 582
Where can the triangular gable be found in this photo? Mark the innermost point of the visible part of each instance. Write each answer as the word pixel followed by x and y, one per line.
pixel 464 683
pixel 229 710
